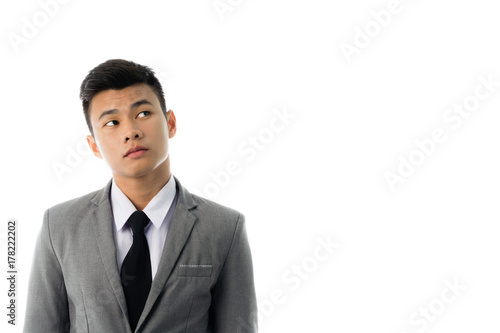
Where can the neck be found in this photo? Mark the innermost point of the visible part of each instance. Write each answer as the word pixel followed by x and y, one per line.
pixel 140 190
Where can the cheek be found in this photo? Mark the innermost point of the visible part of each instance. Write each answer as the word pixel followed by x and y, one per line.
pixel 105 147
pixel 161 132
pixel 162 140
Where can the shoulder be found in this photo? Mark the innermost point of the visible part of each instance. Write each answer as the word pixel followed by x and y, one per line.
pixel 213 220
pixel 73 206
pixel 211 209
pixel 217 227
pixel 76 204
pixel 78 208
pixel 205 209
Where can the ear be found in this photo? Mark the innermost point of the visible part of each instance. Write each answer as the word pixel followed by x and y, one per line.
pixel 93 146
pixel 172 125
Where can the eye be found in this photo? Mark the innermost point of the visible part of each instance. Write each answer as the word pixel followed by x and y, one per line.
pixel 111 123
pixel 143 114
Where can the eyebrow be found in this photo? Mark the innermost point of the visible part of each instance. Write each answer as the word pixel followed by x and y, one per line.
pixel 132 106
pixel 139 103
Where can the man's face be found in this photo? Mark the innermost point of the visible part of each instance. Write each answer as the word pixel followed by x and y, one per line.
pixel 130 131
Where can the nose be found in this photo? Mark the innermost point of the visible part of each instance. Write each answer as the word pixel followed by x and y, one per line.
pixel 132 134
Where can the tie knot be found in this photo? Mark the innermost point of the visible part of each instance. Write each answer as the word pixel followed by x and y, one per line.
pixel 138 221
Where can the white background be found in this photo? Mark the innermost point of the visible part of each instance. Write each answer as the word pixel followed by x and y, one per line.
pixel 320 177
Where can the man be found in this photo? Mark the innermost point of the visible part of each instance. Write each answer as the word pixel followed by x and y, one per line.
pixel 142 254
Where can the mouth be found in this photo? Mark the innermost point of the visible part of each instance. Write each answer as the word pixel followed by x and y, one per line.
pixel 135 152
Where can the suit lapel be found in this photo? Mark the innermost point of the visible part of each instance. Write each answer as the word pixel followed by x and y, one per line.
pixel 102 220
pixel 178 233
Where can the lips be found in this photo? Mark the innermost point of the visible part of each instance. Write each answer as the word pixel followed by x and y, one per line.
pixel 136 151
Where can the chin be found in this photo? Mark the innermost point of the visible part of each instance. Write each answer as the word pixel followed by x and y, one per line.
pixel 133 173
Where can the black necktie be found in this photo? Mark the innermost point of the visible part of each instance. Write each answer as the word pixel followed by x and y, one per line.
pixel 136 269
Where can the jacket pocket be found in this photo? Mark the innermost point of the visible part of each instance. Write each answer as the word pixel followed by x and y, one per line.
pixel 195 270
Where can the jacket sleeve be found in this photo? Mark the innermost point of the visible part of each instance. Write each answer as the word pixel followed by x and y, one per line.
pixel 234 305
pixel 47 305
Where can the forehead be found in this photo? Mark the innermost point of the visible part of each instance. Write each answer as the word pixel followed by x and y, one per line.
pixel 121 99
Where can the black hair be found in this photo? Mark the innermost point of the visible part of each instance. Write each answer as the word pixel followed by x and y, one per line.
pixel 117 74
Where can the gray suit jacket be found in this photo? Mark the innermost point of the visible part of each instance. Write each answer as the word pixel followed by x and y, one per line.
pixel 204 281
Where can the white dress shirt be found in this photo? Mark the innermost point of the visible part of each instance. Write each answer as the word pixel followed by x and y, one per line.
pixel 159 210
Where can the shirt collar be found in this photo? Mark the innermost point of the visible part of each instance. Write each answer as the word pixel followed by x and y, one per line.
pixel 156 209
